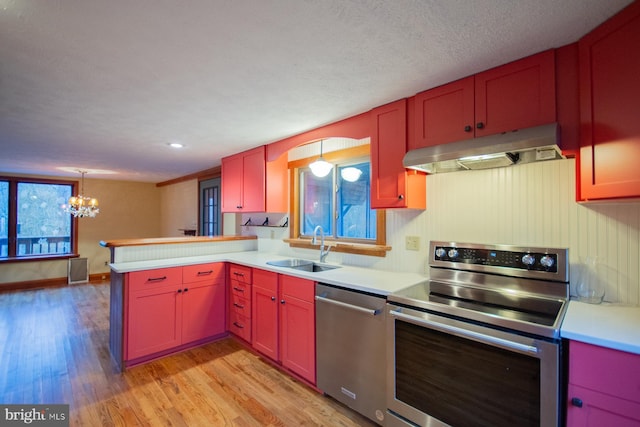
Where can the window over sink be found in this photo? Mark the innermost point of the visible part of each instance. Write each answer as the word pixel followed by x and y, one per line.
pixel 340 202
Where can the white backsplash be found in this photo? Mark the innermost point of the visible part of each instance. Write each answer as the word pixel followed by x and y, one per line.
pixel 531 205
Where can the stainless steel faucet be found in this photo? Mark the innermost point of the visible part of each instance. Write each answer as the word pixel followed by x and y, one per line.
pixel 314 241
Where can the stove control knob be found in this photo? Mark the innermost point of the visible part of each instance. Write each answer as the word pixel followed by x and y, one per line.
pixel 528 259
pixel 547 261
pixel 440 252
pixel 453 253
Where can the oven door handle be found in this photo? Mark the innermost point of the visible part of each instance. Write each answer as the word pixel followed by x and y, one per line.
pixel 500 342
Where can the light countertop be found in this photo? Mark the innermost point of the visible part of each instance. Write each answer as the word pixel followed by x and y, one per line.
pixel 379 282
pixel 608 325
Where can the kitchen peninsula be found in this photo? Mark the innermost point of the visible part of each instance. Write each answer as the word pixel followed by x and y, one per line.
pixel 165 266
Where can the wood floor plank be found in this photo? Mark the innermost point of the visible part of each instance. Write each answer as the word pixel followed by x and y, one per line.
pixel 54 348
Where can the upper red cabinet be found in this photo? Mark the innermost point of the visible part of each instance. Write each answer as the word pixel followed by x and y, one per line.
pixel 251 184
pixel 517 95
pixel 610 108
pixel 393 186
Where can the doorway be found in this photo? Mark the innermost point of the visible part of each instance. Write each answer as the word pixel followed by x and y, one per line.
pixel 210 207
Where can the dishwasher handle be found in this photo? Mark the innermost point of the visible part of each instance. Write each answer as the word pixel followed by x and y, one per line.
pixel 370 311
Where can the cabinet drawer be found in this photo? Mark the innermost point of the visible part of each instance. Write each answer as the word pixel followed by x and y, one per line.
pixel 149 279
pixel 240 289
pixel 211 272
pixel 240 273
pixel 241 305
pixel 240 326
pixel 613 372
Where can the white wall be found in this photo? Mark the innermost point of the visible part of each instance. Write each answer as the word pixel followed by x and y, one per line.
pixel 531 204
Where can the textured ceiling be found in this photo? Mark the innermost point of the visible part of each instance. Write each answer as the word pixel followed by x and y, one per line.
pixel 107 84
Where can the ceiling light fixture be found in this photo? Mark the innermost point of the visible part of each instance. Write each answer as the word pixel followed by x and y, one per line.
pixel 321 167
pixel 82 206
pixel 176 145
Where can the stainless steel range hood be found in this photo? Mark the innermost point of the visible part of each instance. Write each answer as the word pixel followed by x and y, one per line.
pixel 505 149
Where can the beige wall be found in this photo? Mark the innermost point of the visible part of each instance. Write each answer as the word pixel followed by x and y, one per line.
pixel 178 208
pixel 127 210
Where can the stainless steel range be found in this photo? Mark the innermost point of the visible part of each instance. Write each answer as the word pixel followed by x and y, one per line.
pixel 478 344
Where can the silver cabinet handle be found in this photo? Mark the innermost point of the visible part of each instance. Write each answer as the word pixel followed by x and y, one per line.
pixel 349 306
pixel 476 336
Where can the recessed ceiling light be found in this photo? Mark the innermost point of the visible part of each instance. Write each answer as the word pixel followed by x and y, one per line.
pixel 176 145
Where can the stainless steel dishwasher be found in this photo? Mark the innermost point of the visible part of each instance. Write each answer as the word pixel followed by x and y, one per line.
pixel 351 350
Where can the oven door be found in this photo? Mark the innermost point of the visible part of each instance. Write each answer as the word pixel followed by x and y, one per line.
pixel 442 371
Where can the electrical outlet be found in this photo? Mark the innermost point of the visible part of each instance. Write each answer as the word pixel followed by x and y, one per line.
pixel 412 243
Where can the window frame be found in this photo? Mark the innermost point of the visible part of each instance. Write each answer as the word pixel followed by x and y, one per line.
pixel 356 246
pixel 12 235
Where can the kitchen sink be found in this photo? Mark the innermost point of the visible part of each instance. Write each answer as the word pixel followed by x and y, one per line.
pixel 302 265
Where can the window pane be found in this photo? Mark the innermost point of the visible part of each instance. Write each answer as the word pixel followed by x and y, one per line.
pixel 42 226
pixel 317 203
pixel 4 219
pixel 356 220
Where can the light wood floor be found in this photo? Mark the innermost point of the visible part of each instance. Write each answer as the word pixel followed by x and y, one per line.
pixel 54 349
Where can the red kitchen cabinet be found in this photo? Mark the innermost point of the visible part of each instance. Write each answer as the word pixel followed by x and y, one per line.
pixel 251 184
pixel 444 114
pixel 297 326
pixel 265 313
pixel 154 321
pixel 393 186
pixel 603 387
pixel 610 108
pixel 516 95
pixel 240 278
pixel 170 307
pixel 203 301
pixel 243 181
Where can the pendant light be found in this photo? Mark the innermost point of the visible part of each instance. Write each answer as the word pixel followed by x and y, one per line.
pixel 350 174
pixel 81 206
pixel 321 167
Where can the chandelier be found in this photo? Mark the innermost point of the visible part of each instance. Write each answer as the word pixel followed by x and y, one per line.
pixel 81 206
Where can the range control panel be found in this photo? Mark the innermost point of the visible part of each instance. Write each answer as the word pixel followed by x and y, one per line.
pixel 530 260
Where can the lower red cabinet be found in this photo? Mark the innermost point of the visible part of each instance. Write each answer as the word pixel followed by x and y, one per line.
pixel 297 326
pixel 167 308
pixel 603 387
pixel 154 322
pixel 283 321
pixel 265 313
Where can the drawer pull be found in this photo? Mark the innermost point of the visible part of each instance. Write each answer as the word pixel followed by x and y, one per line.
pixel 238 325
pixel 235 288
pixel 577 402
pixel 237 273
pixel 238 305
pixel 204 273
pixel 156 279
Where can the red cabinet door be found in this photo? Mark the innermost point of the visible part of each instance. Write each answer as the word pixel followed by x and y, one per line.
pixel 203 311
pixel 594 409
pixel 254 180
pixel 265 313
pixel 297 326
pixel 610 108
pixel 444 114
pixel 232 183
pixel 517 95
pixel 603 387
pixel 392 186
pixel 154 321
